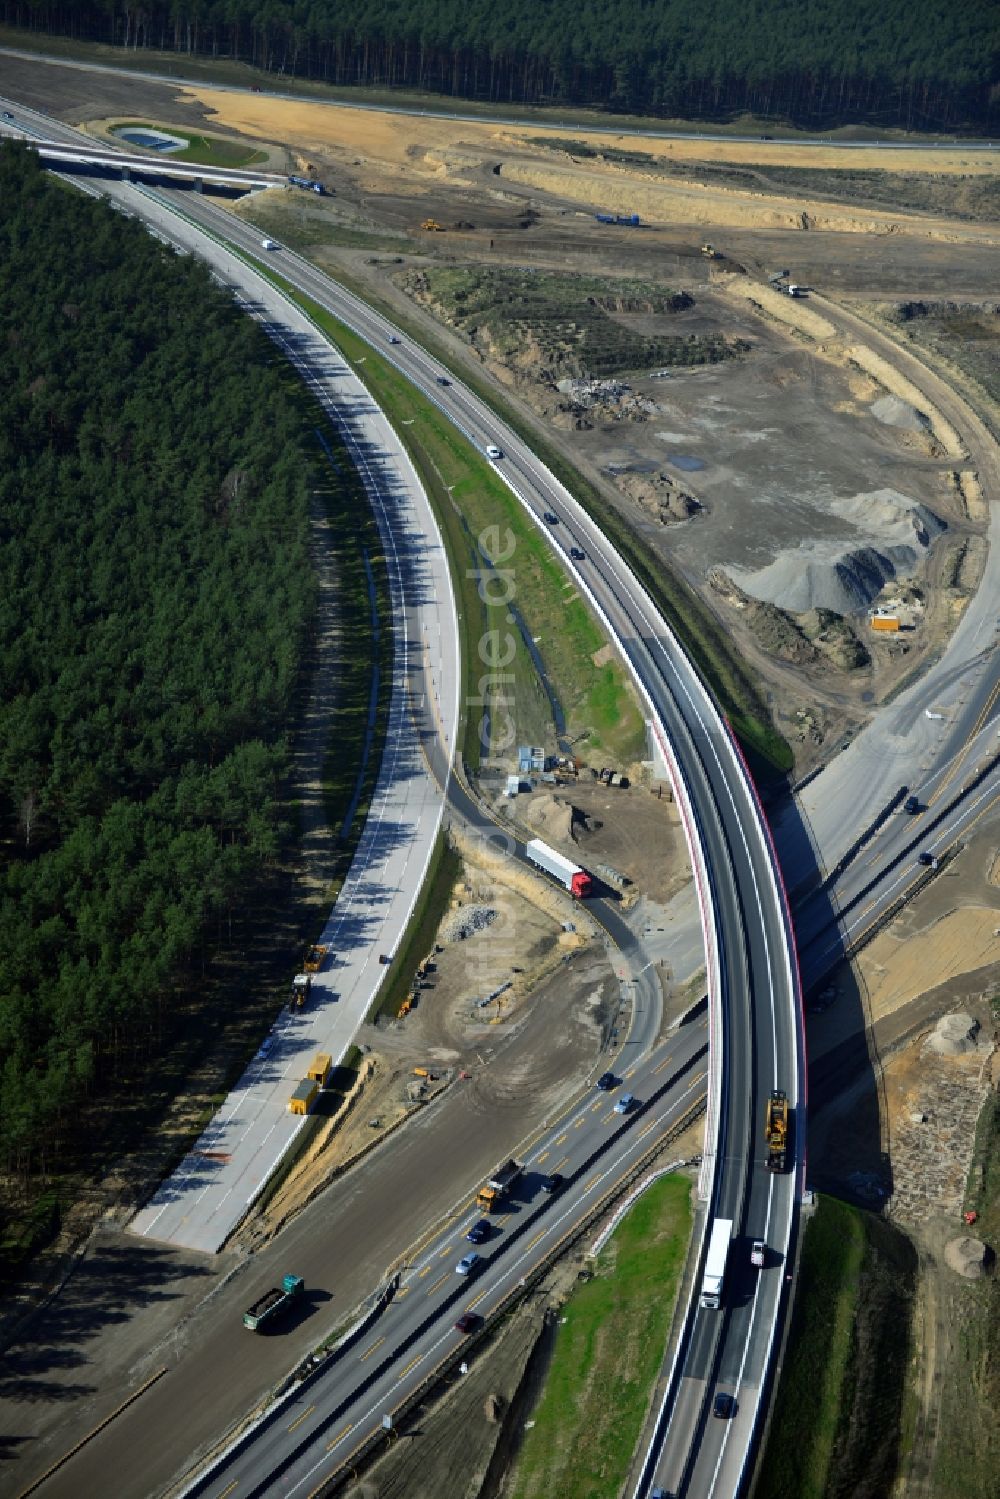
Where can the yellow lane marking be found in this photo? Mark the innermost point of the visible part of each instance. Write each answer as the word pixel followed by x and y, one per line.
pixel 660 1065
pixel 299 1420
pixel 411 1365
pixel 542 1157
pixel 371 1350
pixel 439 1282
pixel 651 1125
pixel 579 1124
pixel 401 1293
pixel 536 1240
pixel 561 1140
pixel 340 1437
pixel 425 1271
pixel 476 1300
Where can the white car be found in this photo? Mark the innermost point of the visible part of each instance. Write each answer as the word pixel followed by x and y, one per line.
pixel 757 1253
pixel 492 451
pixel 624 1103
pixel 269 244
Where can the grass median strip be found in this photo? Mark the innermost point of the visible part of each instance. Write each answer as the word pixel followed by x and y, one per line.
pixel 509 584
pixel 607 1353
pixel 701 632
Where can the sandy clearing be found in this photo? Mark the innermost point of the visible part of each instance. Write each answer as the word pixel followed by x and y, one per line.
pixel 900 966
pixel 393 137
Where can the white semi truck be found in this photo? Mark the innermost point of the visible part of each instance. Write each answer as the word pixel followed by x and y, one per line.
pixel 715 1263
pixel 576 880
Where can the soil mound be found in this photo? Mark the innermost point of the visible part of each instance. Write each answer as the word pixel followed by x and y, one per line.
pixel 966 1256
pixel 551 820
pixel 954 1035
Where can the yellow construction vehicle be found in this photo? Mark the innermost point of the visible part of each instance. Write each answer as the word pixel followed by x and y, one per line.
pixel 776 1130
pixel 433 225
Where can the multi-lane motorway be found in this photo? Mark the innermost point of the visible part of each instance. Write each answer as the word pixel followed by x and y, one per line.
pixel 754 1000
pixel 754 976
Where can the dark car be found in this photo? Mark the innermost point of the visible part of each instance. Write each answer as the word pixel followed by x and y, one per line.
pixel 927 859
pixel 577 554
pixel 912 804
pixel 551 1183
pixel 480 1232
pixel 550 519
pixel 393 339
pixel 467 1322
pixel 606 1082
pixel 724 1406
pixel 442 379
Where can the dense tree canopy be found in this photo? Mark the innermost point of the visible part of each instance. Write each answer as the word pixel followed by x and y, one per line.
pixel 155 596
pixel 912 63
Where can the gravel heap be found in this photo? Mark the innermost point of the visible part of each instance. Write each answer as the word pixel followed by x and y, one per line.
pixel 954 1035
pixel 893 532
pixel 466 921
pixel 893 412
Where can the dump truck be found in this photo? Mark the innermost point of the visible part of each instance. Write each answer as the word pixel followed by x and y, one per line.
pixel 715 1263
pixel 574 879
pixel 273 1303
pixel 301 989
pixel 776 1130
pixel 492 1193
pixel 315 958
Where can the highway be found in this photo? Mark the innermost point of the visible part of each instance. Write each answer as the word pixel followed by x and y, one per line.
pixel 324 1423
pixel 754 1007
pixel 757 980
pixel 726 1350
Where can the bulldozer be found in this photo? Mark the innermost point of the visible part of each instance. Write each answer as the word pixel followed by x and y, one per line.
pixel 433 225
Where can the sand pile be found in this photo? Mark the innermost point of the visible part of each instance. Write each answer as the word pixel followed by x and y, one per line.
pixel 893 533
pixel 549 819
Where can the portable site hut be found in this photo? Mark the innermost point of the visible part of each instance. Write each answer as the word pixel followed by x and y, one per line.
pixel 301 1100
pixel 319 1068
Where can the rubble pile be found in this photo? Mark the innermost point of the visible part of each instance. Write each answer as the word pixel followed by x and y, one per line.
pixel 466 921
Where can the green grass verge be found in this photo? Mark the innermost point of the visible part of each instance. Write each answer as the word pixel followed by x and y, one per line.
pixel 846 1361
pixel 432 904
pixel 483 524
pixel 607 1355
pixel 702 633
pixel 202 150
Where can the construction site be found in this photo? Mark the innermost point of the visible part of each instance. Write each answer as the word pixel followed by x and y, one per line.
pixel 711 332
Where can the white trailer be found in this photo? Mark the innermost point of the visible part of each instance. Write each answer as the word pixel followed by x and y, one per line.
pixel 715 1263
pixel 574 879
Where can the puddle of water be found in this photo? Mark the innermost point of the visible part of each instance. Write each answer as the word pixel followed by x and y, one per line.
pixel 686 462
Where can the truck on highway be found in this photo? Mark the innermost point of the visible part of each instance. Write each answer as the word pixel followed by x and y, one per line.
pixel 715 1263
pixel 301 989
pixel 574 879
pixel 274 1303
pixel 776 1130
pixel 315 958
pixel 492 1193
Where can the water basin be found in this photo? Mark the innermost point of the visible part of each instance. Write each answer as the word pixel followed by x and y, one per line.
pixel 152 140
